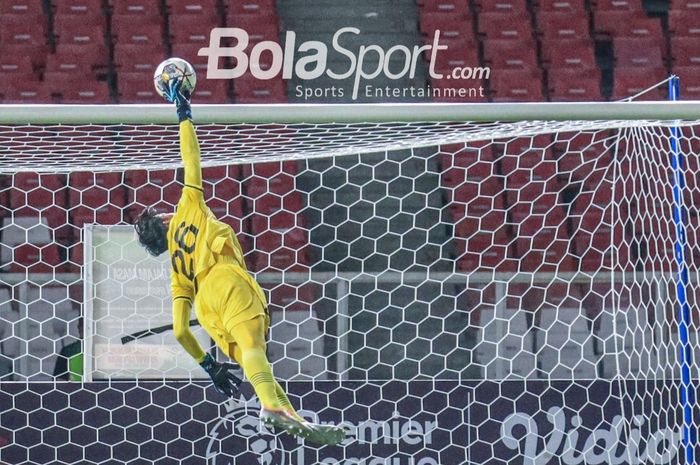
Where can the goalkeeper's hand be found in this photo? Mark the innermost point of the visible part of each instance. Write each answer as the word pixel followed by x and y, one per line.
pixel 181 98
pixel 222 376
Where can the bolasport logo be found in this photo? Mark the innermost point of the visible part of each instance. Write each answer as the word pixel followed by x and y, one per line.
pixel 310 60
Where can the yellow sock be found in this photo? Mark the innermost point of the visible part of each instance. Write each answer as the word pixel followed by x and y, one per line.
pixel 259 373
pixel 284 401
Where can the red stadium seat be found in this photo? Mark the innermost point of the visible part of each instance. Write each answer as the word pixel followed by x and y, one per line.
pixel 189 52
pixel 517 86
pixel 496 26
pixel 453 27
pixel 92 54
pixel 485 251
pixel 91 11
pixel 460 54
pixel 630 81
pixel 67 90
pixel 247 89
pixel 251 7
pixel 32 258
pixel 687 5
pixel 685 51
pixel 293 298
pixel 79 30
pixel 624 24
pixel 562 26
pixel 136 29
pixel 22 7
pixel 689 83
pixel 617 5
pixel 134 58
pixel 95 191
pixel 137 88
pixel 493 49
pixel 546 250
pixel 149 8
pixel 631 53
pixel 508 7
pixel 513 56
pixel 16 64
pixel 574 55
pixel 36 190
pixel 258 27
pixel 157 188
pixel 213 90
pixel 574 86
pixel 193 28
pixel 25 92
pixel 561 6
pixel 682 24
pixel 184 7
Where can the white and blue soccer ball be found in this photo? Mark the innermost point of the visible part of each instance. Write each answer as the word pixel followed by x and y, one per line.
pixel 174 68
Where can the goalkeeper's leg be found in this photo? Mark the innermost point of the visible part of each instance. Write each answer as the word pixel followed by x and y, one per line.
pixel 277 410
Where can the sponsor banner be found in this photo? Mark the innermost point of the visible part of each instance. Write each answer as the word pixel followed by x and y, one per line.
pixel 390 423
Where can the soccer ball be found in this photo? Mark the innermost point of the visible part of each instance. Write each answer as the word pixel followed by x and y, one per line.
pixel 174 68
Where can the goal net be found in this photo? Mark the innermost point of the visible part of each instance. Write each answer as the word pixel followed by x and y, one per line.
pixel 450 289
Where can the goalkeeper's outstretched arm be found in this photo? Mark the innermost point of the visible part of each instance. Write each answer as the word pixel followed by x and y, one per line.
pixel 191 160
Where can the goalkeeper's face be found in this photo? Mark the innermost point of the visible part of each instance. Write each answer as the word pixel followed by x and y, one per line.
pixel 152 231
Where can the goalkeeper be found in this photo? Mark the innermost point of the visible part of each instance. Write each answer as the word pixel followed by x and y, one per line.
pixel 208 271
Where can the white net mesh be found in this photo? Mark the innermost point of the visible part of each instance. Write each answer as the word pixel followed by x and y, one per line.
pixel 452 292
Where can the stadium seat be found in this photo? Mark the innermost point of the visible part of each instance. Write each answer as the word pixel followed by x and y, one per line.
pixel 560 6
pixel 17 64
pixel 459 54
pixel 247 89
pixel 685 51
pixel 485 251
pixel 31 258
pixel 150 8
pixel 192 28
pixel 137 88
pixel 630 81
pixel 25 92
pixel 689 83
pixel 296 298
pixel 569 55
pixel 517 86
pixel 95 190
pixel 91 11
pixel 258 27
pixel 137 29
pixel 571 85
pixel 22 7
pixel 617 5
pixel 213 90
pixel 546 250
pixel 620 24
pixel 682 24
pixel 496 26
pixel 507 7
pixel 513 55
pixel 250 7
pixel 79 29
pixel 631 53
pixel 687 5
pixel 180 7
pixel 36 190
pixel 158 188
pixel 200 64
pixel 23 36
pixel 64 87
pixel 493 49
pixel 557 27
pixel 452 27
pixel 134 58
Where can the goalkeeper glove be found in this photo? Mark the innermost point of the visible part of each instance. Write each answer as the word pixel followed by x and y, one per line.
pixel 181 98
pixel 221 374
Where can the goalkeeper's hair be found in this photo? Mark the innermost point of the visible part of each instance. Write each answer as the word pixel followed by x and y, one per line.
pixel 153 235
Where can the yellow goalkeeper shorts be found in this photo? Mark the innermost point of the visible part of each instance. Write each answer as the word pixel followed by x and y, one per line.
pixel 227 297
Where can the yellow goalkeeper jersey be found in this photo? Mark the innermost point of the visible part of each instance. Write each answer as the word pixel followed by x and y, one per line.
pixel 196 239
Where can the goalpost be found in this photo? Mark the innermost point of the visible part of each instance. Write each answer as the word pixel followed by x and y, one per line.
pixel 454 283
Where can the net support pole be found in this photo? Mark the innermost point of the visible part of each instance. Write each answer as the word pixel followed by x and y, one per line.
pixel 687 393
